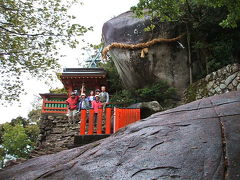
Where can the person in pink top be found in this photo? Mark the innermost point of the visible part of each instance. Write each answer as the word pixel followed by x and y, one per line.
pixel 96 104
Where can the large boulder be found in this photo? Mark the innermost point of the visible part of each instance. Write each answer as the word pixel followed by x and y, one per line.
pixel 199 140
pixel 164 61
pixel 147 108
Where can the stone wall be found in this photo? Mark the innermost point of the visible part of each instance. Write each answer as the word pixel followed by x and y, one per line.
pixel 219 82
pixel 55 134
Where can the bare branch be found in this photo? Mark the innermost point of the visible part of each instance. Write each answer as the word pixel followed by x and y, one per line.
pixel 9 53
pixel 7 9
pixel 21 34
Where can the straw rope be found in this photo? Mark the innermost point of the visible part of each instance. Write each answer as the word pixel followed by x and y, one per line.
pixel 138 46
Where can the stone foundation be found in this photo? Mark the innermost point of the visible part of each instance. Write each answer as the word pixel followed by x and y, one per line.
pixel 218 82
pixel 55 134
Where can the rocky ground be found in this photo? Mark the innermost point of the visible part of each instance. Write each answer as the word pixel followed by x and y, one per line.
pixel 199 140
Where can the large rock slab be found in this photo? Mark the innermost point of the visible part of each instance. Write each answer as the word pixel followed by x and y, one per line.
pixel 164 61
pixel 199 140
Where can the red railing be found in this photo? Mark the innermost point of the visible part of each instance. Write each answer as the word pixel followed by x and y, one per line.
pixel 107 122
pixel 125 116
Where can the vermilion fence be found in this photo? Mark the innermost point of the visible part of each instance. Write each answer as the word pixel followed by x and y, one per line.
pixel 125 116
pixel 107 122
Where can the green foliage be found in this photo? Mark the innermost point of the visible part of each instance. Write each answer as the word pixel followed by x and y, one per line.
pixel 19 137
pixel 221 55
pixel 58 91
pixel 185 10
pixel 113 79
pixel 123 98
pixel 219 47
pixel 32 32
pixel 2 156
pixel 19 120
pixel 196 89
pixel 1 133
pixel 161 92
pixel 15 141
pixel 32 131
pixel 212 27
pixel 34 115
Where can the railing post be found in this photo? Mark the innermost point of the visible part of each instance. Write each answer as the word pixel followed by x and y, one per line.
pixel 135 115
pixel 99 121
pixel 123 120
pixel 129 116
pixel 91 122
pixel 132 113
pixel 116 120
pixel 83 121
pixel 44 105
pixel 138 114
pixel 108 120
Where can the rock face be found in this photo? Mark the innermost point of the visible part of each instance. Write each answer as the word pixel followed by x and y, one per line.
pixel 199 140
pixel 164 61
pixel 224 80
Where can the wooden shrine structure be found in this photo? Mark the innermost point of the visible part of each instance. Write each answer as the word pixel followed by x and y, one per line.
pixel 74 79
pixel 81 80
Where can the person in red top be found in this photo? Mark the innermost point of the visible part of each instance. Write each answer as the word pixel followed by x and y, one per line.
pixel 72 107
pixel 96 104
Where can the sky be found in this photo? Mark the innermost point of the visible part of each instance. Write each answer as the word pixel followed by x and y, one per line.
pixel 93 13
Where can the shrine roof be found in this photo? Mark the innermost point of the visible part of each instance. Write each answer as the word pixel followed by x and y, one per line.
pixel 83 72
pixel 53 95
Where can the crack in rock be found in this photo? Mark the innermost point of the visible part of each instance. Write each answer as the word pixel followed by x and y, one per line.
pixel 156 145
pixel 55 170
pixel 223 137
pixel 156 168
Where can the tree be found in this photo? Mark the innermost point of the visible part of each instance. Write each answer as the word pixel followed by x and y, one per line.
pixel 1 133
pixel 32 131
pixel 185 10
pixel 18 138
pixel 19 120
pixel 2 156
pixel 211 27
pixel 113 79
pixel 31 33
pixel 15 141
pixel 34 115
pixel 58 91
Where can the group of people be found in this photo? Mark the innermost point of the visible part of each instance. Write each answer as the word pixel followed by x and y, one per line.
pixel 96 100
